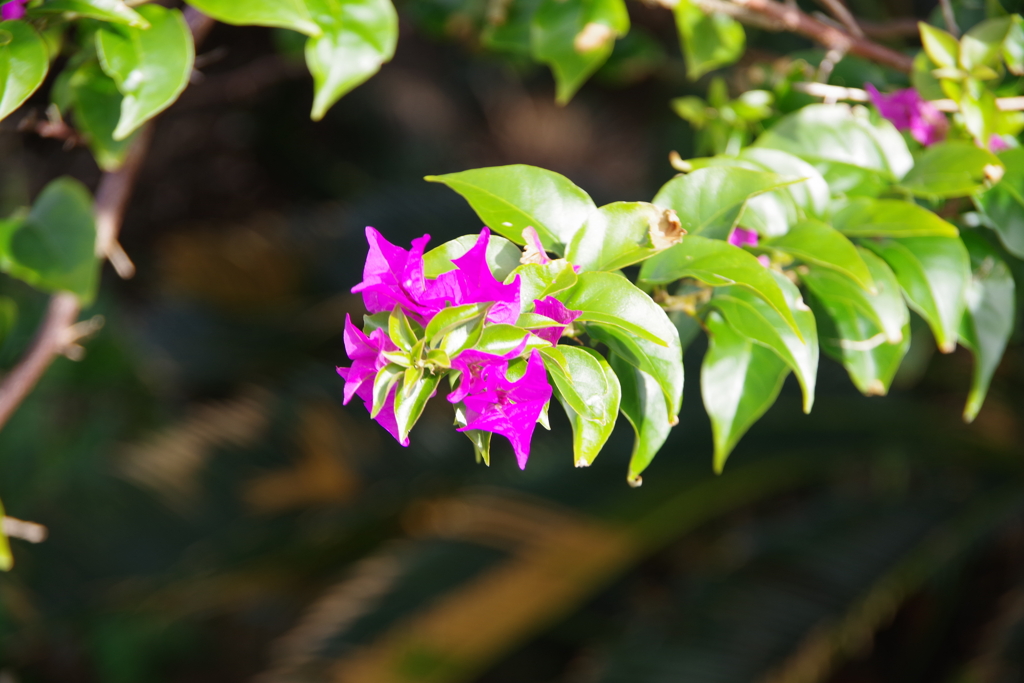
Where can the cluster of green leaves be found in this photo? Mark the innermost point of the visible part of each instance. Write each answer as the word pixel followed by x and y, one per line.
pixel 847 249
pixel 126 65
pixel 971 71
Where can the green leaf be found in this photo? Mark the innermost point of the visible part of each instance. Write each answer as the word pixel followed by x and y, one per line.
pixel 53 248
pixel 643 404
pixel 1013 46
pixel 718 264
pixel 814 242
pixel 950 169
pixel 941 47
pixel 96 102
pixel 933 272
pixel 709 41
pixel 481 441
pixel 589 434
pixel 1003 204
pixel 579 378
pixel 615 236
pixel 24 63
pixel 982 45
pixel 739 381
pixel 884 307
pixel 6 558
pixel 114 11
pixel 988 319
pixel 922 79
pixel 511 198
pixel 410 402
pixel 575 37
pixel 358 37
pixel 385 380
pixel 710 201
pixel 400 330
pixel 457 327
pixel 537 281
pixel 290 14
pixel 866 217
pixel 750 316
pixel 868 333
pixel 151 67
pixel 855 156
pixel 811 195
pixel 502 256
pixel 502 339
pixel 613 297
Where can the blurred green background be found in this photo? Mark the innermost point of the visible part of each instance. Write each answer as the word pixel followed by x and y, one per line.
pixel 215 514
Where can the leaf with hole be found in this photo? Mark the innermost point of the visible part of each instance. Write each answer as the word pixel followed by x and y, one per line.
pixel 290 14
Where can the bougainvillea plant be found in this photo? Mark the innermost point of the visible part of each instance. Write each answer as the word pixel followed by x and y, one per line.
pixel 809 226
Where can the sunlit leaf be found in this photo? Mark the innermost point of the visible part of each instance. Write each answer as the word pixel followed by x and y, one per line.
pixel 24 62
pixel 290 14
pixel 951 169
pixel 709 40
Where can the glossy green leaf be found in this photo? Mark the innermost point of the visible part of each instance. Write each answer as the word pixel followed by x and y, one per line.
pixel 96 103
pixel 710 201
pixel 358 37
pixel 400 330
pixel 615 236
pixel 933 272
pixel 982 45
pixel 502 256
pixel 410 402
pixel 1013 46
pixel 53 247
pixel 739 381
pixel 537 281
pixel 988 319
pixel 511 198
pixel 643 404
pixel 941 47
pixel 455 327
pixel 575 37
pixel 923 80
pixel 613 297
pixel 950 169
pixel 24 63
pixel 855 156
pixel 151 67
pixel 1003 204
pixel 6 558
pixel 590 434
pixel 750 316
pixel 811 194
pixel 383 383
pixel 884 307
pixel 709 41
pixel 868 333
pixel 579 378
pixel 814 242
pixel 718 264
pixel 502 339
pixel 114 11
pixel 290 14
pixel 866 217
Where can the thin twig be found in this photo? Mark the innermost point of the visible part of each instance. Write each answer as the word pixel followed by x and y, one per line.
pixel 59 332
pixel 890 29
pixel 949 17
pixel 837 8
pixel 834 93
pixel 831 37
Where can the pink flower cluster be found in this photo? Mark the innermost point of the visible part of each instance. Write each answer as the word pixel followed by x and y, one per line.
pixel 394 277
pixel 907 111
pixel 15 9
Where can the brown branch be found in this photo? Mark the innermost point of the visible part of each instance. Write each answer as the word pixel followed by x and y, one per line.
pixel 890 29
pixel 831 37
pixel 59 332
pixel 837 8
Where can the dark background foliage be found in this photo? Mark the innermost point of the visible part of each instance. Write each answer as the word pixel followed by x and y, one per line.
pixel 216 514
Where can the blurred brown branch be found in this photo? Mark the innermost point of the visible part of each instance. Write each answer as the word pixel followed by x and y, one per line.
pixel 59 332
